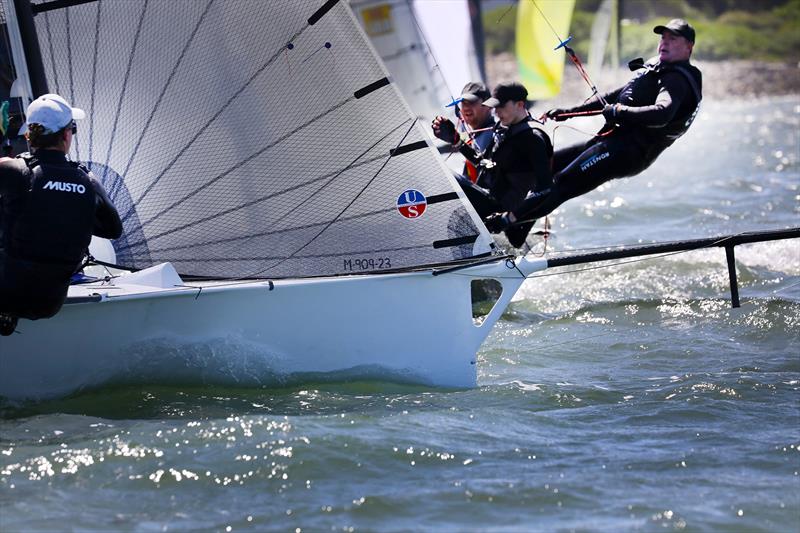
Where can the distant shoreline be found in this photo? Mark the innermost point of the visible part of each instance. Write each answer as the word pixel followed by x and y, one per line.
pixel 721 79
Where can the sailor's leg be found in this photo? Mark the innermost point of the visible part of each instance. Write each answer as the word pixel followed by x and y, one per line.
pixel 8 320
pixel 33 290
pixel 518 233
pixel 8 324
pixel 539 204
pixel 597 164
pixel 480 199
pixel 564 156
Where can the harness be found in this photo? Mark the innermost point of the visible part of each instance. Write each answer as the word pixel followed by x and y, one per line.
pixel 55 220
pixel 646 84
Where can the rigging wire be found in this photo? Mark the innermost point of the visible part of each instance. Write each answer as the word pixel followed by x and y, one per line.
pixel 341 212
pixel 572 56
pixel 436 67
pixel 6 43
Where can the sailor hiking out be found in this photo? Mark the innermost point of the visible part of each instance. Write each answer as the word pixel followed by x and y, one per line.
pixel 643 118
pixel 49 209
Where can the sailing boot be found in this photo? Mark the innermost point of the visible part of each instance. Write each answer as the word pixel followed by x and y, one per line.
pixel 8 324
pixel 517 234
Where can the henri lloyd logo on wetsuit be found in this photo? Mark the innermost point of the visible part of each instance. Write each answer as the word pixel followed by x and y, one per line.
pixel 64 187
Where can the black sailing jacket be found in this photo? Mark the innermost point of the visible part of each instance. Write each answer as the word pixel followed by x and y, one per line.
pixel 50 208
pixel 521 156
pixel 656 106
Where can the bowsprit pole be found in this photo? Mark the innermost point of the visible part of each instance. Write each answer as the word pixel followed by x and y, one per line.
pixel 563 43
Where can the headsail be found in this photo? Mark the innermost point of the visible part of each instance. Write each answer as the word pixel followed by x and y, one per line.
pixel 604 35
pixel 258 145
pixel 454 49
pixel 394 31
pixel 540 68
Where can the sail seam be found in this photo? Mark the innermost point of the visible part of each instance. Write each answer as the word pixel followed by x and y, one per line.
pixel 94 79
pixel 271 232
pixel 299 257
pixel 345 169
pixel 241 164
pixel 125 83
pixel 52 53
pixel 166 86
pixel 249 204
pixel 346 207
pixel 212 119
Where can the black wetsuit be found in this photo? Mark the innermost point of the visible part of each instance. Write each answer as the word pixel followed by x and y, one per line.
pixel 520 163
pixel 655 108
pixel 49 209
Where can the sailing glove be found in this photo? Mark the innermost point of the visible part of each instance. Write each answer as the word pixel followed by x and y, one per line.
pixel 557 114
pixel 445 131
pixel 497 222
pixel 611 112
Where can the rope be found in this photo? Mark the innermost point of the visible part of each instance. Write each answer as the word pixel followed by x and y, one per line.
pixel 572 56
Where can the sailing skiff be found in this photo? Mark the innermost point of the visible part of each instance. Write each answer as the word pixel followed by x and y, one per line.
pixel 284 212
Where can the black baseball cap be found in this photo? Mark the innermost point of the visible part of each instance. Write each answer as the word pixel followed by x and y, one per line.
pixel 678 27
pixel 475 92
pixel 507 91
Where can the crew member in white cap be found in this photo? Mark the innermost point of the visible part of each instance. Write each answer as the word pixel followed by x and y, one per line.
pixel 49 209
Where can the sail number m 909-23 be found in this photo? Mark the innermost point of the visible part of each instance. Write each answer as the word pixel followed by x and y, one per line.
pixel 367 263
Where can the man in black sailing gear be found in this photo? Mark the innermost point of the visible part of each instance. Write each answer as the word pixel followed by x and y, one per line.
pixel 49 209
pixel 516 164
pixel 478 119
pixel 643 118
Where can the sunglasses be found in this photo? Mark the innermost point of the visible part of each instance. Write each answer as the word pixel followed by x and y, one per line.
pixel 74 128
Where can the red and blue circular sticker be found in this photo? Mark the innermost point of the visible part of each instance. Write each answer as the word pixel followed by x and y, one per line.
pixel 412 203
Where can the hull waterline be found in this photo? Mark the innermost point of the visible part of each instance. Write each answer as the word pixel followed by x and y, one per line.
pixel 150 328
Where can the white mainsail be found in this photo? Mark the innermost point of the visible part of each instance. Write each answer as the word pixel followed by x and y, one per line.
pixel 257 144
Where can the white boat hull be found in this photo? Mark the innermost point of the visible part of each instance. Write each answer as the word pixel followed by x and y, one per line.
pixel 410 327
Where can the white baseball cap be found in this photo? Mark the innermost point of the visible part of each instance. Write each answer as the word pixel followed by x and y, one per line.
pixel 52 112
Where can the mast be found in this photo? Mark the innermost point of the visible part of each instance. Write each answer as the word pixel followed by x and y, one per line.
pixel 32 56
pixel 476 21
pixel 615 42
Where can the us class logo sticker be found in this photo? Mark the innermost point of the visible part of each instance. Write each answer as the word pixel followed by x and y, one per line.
pixel 412 203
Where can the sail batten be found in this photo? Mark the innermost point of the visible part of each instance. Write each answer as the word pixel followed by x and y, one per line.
pixel 261 143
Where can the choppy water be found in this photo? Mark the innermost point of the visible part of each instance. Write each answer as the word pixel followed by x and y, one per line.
pixel 624 398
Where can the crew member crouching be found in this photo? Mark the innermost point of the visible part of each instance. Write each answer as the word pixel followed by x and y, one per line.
pixel 49 209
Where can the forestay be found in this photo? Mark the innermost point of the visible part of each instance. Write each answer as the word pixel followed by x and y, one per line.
pixel 244 139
